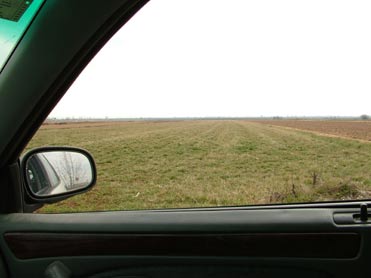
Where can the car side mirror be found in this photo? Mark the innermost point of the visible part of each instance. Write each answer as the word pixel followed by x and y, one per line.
pixel 52 174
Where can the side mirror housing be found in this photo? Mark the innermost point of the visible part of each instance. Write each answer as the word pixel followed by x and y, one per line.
pixel 52 174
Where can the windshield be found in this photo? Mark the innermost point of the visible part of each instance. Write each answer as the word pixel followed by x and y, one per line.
pixel 15 17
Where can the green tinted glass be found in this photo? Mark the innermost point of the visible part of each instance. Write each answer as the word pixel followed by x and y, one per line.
pixel 15 17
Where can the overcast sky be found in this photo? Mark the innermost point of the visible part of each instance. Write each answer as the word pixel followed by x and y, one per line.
pixel 237 58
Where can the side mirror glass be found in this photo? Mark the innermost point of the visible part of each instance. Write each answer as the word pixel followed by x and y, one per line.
pixel 52 172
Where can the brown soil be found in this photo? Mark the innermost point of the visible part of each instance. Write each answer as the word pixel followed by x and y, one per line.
pixel 350 129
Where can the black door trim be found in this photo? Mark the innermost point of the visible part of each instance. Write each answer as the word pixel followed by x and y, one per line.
pixel 290 245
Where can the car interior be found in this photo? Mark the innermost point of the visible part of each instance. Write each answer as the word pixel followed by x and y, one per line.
pixel 327 239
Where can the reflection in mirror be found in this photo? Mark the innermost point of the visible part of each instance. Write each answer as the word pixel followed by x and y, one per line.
pixel 56 172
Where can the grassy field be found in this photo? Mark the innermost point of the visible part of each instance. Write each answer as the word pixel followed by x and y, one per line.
pixel 145 165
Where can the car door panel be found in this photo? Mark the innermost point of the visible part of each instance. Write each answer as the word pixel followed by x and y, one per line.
pixel 3 270
pixel 240 242
pixel 227 271
pixel 262 245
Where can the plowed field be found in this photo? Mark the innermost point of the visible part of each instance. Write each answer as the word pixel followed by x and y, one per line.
pixel 351 129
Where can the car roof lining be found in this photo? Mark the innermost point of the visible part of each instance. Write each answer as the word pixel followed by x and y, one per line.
pixel 16 25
